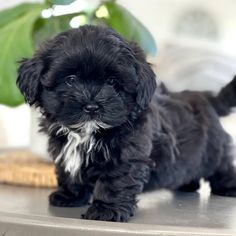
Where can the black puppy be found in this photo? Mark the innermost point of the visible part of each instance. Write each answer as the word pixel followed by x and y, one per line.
pixel 113 133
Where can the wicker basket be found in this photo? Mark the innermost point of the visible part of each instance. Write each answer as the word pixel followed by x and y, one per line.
pixel 24 168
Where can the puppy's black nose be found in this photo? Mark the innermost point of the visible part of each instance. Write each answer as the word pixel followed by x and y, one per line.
pixel 90 108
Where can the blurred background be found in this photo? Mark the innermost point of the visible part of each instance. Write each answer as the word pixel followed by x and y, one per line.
pixel 190 43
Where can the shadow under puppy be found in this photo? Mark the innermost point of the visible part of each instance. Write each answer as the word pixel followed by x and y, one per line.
pixel 113 133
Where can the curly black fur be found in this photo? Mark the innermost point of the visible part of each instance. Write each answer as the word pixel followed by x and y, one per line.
pixel 102 109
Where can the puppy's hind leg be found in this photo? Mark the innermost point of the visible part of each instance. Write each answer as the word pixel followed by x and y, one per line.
pixel 194 185
pixel 223 181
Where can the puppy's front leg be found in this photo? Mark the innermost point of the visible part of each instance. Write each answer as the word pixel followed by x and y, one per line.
pixel 73 196
pixel 69 194
pixel 116 190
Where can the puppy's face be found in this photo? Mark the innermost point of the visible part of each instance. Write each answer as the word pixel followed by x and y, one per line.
pixel 89 87
pixel 88 74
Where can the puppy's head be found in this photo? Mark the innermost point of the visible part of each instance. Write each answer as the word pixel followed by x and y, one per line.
pixel 88 74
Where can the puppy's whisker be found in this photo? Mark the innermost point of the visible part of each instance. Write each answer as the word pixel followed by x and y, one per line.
pixel 58 129
pixel 53 127
pixel 129 125
pixel 78 125
pixel 63 131
pixel 103 125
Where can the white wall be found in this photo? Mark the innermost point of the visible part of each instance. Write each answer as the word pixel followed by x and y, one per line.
pixel 14 126
pixel 160 17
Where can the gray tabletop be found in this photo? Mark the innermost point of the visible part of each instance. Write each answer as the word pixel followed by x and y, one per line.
pixel 25 211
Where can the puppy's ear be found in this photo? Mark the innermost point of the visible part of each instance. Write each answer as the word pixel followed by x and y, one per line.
pixel 147 80
pixel 28 80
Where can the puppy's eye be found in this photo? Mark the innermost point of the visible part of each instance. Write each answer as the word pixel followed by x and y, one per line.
pixel 111 80
pixel 70 80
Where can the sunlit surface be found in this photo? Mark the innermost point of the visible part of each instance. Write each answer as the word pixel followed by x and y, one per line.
pixel 187 212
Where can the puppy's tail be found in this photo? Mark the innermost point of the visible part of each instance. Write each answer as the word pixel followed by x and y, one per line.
pixel 226 99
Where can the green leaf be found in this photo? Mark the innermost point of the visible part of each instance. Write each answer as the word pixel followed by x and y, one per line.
pixel 61 2
pixel 127 25
pixel 48 28
pixel 11 14
pixel 16 43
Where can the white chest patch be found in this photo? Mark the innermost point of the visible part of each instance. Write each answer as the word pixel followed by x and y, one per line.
pixel 77 143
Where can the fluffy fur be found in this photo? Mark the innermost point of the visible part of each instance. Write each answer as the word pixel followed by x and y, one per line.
pixel 113 133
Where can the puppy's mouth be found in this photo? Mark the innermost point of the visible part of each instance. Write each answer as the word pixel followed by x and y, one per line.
pixel 93 125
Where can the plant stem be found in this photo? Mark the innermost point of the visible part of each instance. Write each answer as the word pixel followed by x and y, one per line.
pixel 48 3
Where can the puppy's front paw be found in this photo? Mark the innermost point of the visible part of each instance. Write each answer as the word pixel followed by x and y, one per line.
pixel 65 199
pixel 105 213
